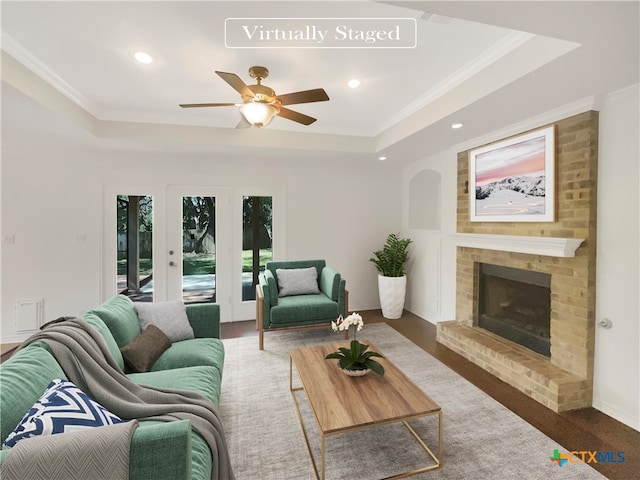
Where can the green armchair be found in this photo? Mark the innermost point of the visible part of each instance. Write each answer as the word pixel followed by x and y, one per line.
pixel 298 294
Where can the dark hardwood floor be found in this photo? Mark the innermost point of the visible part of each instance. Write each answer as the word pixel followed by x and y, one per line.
pixel 586 429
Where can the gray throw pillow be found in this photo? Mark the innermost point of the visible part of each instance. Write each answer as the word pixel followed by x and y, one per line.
pixel 170 317
pixel 297 281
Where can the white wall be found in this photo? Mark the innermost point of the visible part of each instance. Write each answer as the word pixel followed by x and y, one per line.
pixel 617 350
pixel 52 204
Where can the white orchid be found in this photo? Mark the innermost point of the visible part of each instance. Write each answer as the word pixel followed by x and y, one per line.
pixel 356 357
pixel 342 324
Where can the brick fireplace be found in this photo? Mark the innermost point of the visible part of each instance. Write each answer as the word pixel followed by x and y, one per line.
pixel 563 380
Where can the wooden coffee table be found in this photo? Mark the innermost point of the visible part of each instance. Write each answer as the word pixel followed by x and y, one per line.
pixel 333 399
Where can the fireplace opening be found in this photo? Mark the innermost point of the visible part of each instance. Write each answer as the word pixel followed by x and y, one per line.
pixel 516 304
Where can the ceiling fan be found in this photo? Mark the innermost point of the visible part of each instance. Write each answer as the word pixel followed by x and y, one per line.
pixel 261 104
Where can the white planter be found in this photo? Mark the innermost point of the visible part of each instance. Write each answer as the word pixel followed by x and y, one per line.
pixel 392 291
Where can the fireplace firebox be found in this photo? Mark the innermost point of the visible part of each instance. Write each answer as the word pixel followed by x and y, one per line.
pixel 516 304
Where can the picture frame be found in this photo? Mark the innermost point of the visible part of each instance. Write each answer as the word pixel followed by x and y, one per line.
pixel 513 180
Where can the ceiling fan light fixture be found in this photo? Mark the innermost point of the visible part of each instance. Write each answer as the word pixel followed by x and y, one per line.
pixel 258 114
pixel 261 103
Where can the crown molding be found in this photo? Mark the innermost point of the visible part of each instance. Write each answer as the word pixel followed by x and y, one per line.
pixel 22 55
pixel 505 46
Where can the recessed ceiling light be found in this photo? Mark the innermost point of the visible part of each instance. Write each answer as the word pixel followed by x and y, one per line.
pixel 382 158
pixel 456 125
pixel 143 57
pixel 354 83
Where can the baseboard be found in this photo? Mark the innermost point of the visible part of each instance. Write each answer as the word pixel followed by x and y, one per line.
pixel 363 308
pixel 17 338
pixel 614 412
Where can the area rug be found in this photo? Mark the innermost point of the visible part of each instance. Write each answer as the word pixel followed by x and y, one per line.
pixel 481 438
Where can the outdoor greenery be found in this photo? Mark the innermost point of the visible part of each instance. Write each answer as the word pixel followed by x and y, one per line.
pixel 266 255
pixel 146 213
pixel 199 218
pixel 390 261
pixel 201 264
pixel 199 233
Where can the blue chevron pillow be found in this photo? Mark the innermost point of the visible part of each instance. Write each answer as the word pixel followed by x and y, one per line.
pixel 63 407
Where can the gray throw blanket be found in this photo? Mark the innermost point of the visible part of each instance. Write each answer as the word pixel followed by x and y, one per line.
pixel 93 453
pixel 84 356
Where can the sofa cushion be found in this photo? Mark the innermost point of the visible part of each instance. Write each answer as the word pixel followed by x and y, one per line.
pixel 203 379
pixel 97 323
pixel 170 317
pixel 120 316
pixel 63 407
pixel 301 309
pixel 145 349
pixel 190 353
pixel 297 281
pixel 23 378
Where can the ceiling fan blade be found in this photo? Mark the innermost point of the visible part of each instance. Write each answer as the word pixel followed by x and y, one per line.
pixel 197 105
pixel 306 96
pixel 296 116
pixel 237 83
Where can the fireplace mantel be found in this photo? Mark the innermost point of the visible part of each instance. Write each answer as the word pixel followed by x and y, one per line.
pixel 551 246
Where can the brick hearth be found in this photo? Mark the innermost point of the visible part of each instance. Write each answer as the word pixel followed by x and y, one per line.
pixel 563 381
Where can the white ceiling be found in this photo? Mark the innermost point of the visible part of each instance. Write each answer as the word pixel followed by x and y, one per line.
pixel 484 64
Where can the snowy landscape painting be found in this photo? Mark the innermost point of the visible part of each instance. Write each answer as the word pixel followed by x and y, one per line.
pixel 513 180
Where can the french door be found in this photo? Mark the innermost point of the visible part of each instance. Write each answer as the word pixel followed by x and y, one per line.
pixel 200 244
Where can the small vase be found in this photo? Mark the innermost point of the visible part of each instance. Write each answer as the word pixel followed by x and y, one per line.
pixel 355 373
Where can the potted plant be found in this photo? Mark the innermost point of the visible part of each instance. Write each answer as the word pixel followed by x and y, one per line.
pixel 356 360
pixel 392 280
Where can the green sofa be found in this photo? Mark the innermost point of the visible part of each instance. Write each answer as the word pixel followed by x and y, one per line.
pixel 159 450
pixel 276 310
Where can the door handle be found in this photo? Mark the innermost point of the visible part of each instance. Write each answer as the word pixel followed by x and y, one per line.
pixel 172 264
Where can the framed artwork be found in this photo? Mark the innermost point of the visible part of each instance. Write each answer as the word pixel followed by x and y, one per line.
pixel 513 180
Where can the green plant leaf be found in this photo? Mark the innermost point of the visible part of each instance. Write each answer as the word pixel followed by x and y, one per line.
pixel 347 364
pixel 390 261
pixel 375 366
pixel 372 354
pixel 334 355
pixel 355 349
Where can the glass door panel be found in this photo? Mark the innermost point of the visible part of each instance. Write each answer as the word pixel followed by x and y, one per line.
pixel 257 241
pixel 134 239
pixel 199 249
